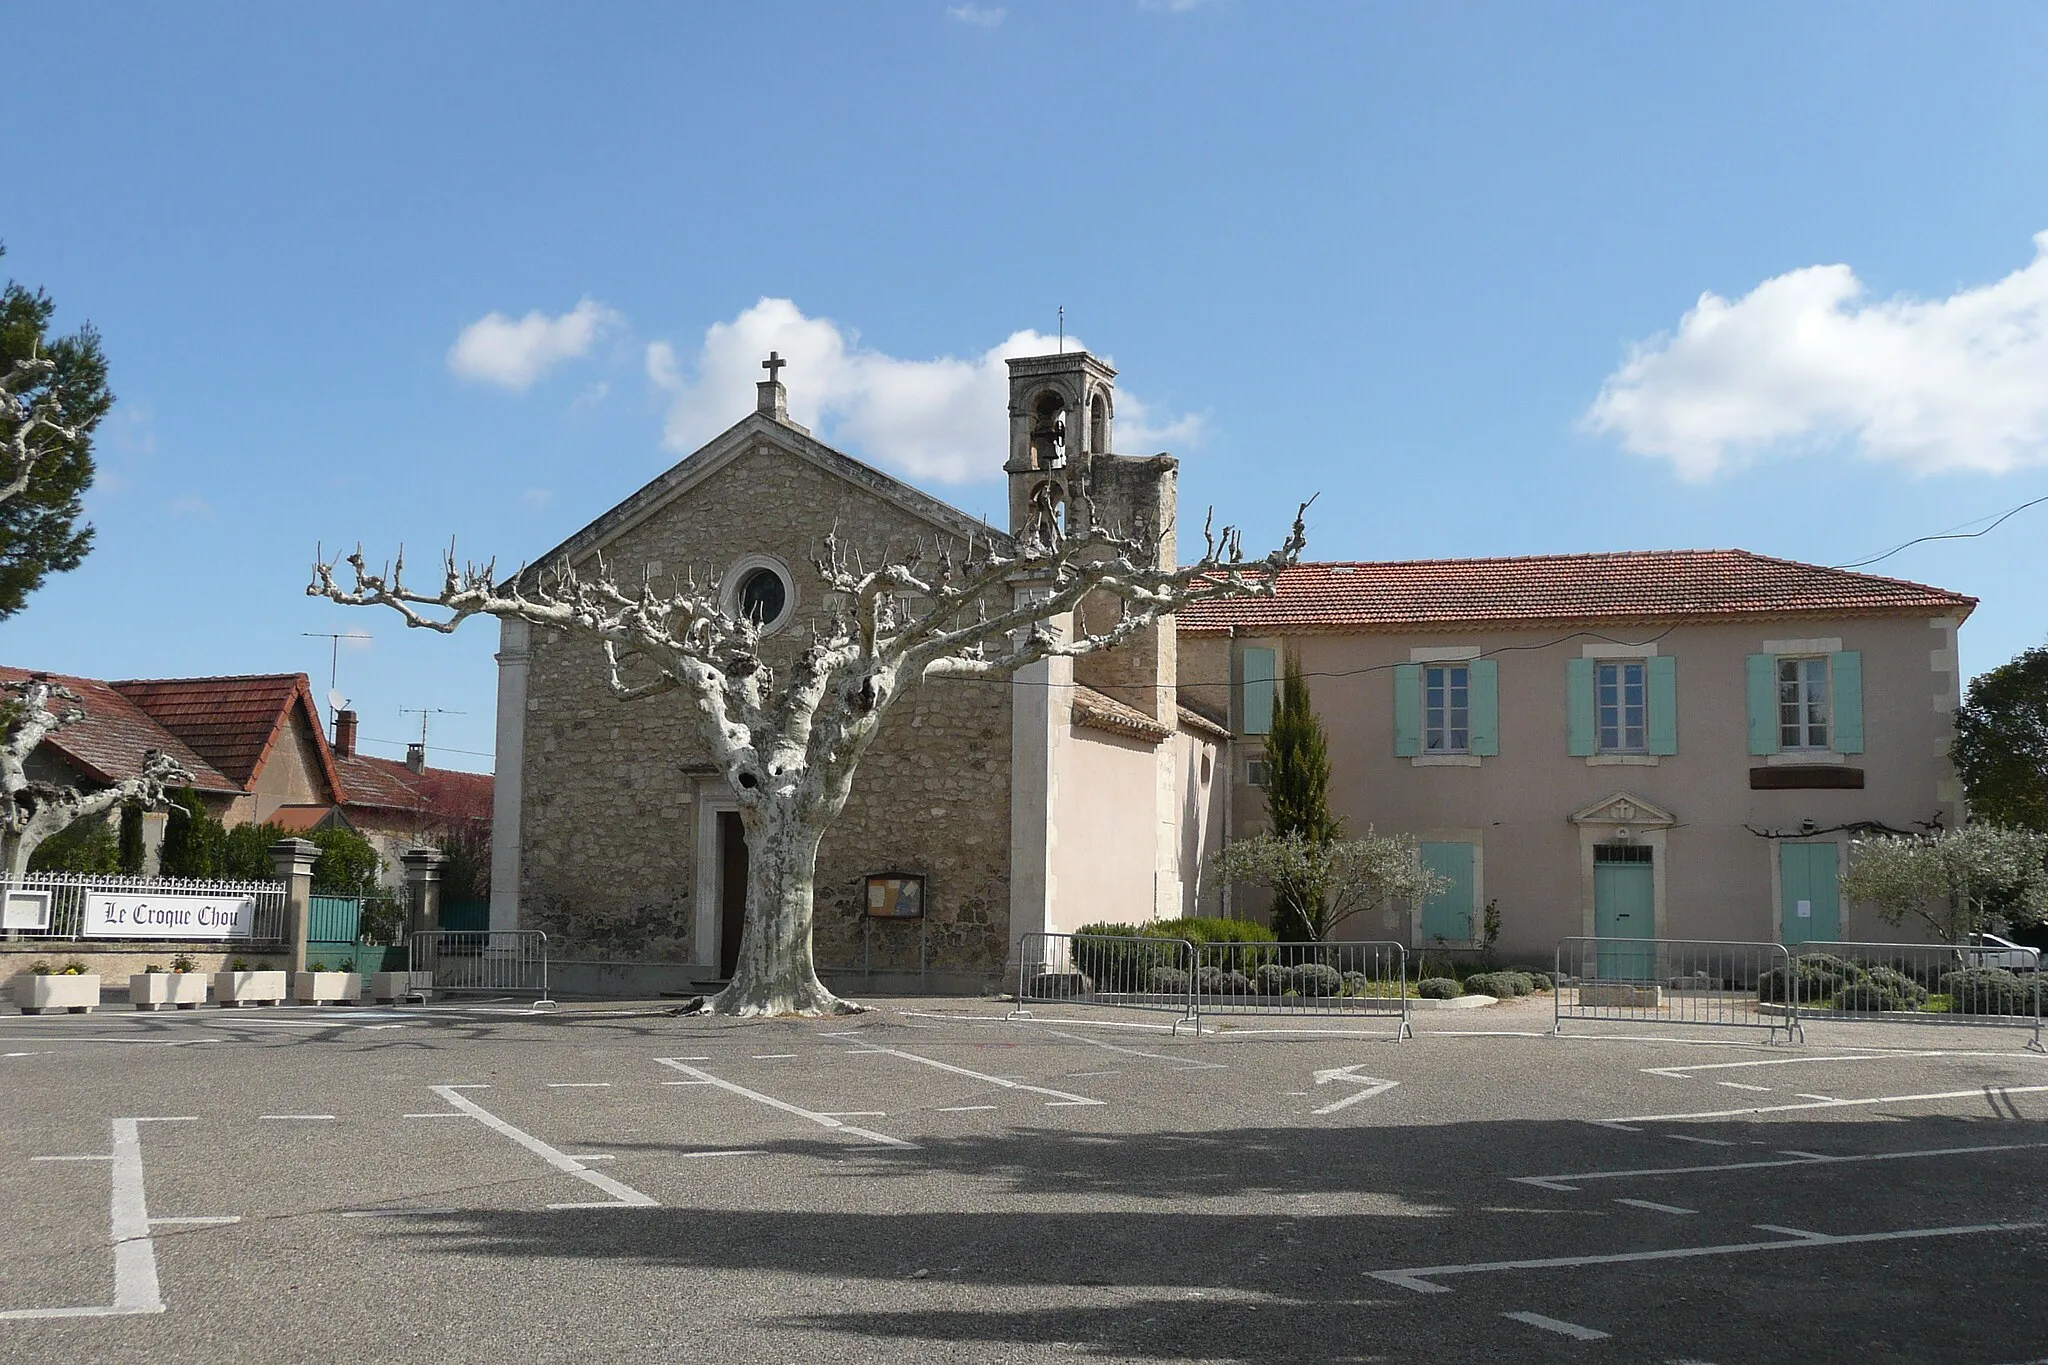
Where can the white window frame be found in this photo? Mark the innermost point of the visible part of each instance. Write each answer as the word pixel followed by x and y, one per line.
pixel 1619 670
pixel 1446 725
pixel 1812 728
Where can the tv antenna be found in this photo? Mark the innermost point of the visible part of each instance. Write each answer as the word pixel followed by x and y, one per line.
pixel 1063 329
pixel 424 713
pixel 335 701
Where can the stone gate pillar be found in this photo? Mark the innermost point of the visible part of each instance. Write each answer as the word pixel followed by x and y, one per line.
pixel 294 859
pixel 423 886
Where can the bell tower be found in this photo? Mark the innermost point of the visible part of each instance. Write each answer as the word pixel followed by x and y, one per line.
pixel 1061 408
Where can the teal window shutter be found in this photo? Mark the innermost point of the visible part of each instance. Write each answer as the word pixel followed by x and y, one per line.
pixel 1578 689
pixel 1485 704
pixel 1448 914
pixel 1256 712
pixel 1407 710
pixel 1763 703
pixel 1845 676
pixel 1663 676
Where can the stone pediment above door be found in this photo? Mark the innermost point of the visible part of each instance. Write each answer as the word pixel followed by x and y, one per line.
pixel 1624 809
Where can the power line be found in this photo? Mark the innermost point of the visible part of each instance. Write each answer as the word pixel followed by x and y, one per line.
pixel 1951 534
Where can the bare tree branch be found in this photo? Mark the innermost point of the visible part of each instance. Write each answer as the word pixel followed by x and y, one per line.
pixel 31 811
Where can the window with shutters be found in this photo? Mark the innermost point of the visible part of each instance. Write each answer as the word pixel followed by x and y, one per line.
pixel 1446 709
pixel 1803 703
pixel 1621 703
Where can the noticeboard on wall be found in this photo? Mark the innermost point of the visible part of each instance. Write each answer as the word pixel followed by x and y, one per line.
pixel 896 895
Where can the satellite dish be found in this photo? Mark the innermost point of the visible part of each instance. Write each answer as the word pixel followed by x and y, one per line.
pixel 336 700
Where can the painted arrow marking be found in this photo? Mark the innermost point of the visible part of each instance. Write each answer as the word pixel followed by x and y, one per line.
pixel 1373 1086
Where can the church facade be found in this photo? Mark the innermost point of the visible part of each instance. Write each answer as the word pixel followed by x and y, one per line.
pixel 1077 791
pixel 1671 744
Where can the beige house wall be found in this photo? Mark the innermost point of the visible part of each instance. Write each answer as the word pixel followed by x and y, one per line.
pixel 1717 878
pixel 291 776
pixel 614 797
pixel 1103 810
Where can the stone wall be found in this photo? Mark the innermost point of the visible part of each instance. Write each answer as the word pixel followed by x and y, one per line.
pixel 608 813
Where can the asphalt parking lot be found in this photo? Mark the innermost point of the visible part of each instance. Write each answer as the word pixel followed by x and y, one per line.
pixel 933 1182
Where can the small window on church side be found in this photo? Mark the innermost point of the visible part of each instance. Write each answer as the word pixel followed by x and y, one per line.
pixel 1098 426
pixel 763 595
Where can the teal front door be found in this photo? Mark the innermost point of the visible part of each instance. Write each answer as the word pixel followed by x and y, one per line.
pixel 1808 890
pixel 1625 907
pixel 1447 915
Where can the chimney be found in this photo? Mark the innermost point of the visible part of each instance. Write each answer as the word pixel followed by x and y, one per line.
pixel 416 757
pixel 345 734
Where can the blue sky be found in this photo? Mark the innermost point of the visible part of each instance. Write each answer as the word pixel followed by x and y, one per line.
pixel 1442 264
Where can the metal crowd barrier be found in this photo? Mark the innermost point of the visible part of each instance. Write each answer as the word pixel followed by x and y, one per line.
pixel 1097 969
pixel 1349 980
pixel 1673 981
pixel 1915 983
pixel 482 961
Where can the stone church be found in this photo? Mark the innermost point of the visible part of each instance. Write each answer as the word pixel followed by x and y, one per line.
pixel 1081 790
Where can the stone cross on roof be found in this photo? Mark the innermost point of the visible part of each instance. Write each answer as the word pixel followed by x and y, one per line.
pixel 773 364
pixel 769 399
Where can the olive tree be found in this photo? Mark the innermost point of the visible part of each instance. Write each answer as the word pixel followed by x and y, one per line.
pixel 1326 881
pixel 788 741
pixel 1955 880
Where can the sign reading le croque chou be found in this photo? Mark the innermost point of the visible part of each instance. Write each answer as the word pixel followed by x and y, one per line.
pixel 117 916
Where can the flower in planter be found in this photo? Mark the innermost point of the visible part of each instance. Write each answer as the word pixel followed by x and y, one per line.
pixel 151 969
pixel 240 964
pixel 74 969
pixel 41 969
pixel 347 964
pixel 181 963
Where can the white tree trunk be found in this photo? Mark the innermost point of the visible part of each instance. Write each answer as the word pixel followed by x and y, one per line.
pixel 776 972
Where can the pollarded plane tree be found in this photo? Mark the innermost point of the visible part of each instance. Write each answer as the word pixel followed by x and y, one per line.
pixel 788 742
pixel 32 811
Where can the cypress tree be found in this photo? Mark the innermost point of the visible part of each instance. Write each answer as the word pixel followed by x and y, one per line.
pixel 1298 796
pixel 131 840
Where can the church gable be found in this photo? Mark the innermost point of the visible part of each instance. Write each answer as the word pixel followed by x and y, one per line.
pixel 756 445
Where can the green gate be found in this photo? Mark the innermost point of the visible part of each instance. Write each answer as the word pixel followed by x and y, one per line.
pixel 334 934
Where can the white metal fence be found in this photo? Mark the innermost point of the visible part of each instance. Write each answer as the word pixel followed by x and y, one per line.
pixel 1671 981
pixel 1098 969
pixel 482 961
pixel 1912 983
pixel 1351 980
pixel 69 906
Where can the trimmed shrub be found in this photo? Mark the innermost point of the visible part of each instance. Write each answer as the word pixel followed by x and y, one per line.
pixel 1540 981
pixel 1439 988
pixel 1898 983
pixel 1986 990
pixel 1486 983
pixel 1273 979
pixel 1167 981
pixel 1316 978
pixel 1217 982
pixel 1867 997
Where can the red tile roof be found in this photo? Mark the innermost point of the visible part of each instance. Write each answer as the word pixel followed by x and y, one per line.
pixel 108 744
pixel 1540 590
pixel 231 722
pixel 387 784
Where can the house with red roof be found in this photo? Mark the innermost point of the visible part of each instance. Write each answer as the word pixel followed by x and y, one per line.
pixel 258 754
pixel 1670 743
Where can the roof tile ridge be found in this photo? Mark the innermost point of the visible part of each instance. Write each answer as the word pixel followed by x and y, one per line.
pixel 1512 559
pixel 1858 573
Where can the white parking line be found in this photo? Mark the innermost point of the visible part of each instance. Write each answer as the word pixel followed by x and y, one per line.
pixel 963 1108
pixel 395 1213
pixel 298 1118
pixel 1373 1086
pixel 1060 1097
pixel 1559 1326
pixel 1699 1141
pixel 1186 1063
pixel 1572 1181
pixel 1982 1092
pixel 579 1085
pixel 1418 1278
pixel 136 1290
pixel 1653 1206
pixel 822 1120
pixel 1738 1085
pixel 622 1196
pixel 1681 1072
pixel 736 1151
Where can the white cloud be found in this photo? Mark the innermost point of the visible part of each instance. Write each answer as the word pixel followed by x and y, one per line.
pixel 983 16
pixel 513 353
pixel 1802 360
pixel 190 505
pixel 355 641
pixel 537 497
pixel 944 419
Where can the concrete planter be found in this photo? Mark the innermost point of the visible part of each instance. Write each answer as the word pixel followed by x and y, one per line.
pixel 327 988
pixel 390 988
pixel 77 994
pixel 154 990
pixel 235 989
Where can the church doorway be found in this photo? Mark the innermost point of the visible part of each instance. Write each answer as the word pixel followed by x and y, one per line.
pixel 732 890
